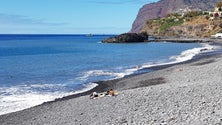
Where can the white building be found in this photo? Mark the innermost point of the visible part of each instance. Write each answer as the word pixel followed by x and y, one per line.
pixel 218 35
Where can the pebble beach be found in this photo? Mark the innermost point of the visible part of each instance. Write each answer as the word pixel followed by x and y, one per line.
pixel 189 93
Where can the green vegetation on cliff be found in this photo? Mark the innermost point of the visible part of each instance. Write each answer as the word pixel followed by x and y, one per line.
pixel 191 24
pixel 165 23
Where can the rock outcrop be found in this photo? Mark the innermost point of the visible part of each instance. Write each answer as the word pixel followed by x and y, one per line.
pixel 164 7
pixel 127 38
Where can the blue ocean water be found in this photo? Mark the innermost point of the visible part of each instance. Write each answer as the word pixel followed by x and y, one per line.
pixel 39 68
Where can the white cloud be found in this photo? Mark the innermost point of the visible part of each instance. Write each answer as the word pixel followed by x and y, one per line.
pixel 9 19
pixel 18 24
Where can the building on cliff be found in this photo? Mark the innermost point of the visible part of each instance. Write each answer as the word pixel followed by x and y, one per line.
pixel 217 13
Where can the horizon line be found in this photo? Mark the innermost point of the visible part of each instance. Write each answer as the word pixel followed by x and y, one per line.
pixel 58 34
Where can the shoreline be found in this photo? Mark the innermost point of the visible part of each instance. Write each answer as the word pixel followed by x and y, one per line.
pixel 160 78
pixel 188 40
pixel 79 109
pixel 104 85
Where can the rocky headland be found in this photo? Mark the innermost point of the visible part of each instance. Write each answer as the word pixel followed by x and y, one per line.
pixel 175 19
pixel 127 38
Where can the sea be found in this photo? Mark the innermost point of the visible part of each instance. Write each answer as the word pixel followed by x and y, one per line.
pixel 38 68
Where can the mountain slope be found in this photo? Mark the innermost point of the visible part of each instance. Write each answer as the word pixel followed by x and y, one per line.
pixel 164 7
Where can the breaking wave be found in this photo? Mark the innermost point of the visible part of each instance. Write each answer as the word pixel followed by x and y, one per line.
pixel 21 97
pixel 185 55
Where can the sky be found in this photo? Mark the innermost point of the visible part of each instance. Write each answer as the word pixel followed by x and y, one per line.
pixel 68 16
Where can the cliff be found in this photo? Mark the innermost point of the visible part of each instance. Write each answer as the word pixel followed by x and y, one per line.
pixel 164 7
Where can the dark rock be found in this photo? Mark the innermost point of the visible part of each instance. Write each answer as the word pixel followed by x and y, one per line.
pixel 127 38
pixel 164 7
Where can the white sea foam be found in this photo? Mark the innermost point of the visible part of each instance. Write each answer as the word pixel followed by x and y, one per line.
pixel 129 71
pixel 12 103
pixel 21 97
pixel 189 54
pixel 186 55
pixel 94 73
pixel 86 88
pixel 112 74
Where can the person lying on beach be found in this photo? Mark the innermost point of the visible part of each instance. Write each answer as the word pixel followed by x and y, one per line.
pixel 110 92
pixel 93 95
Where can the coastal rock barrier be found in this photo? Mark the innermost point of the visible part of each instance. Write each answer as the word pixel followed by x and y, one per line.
pixel 144 37
pixel 127 38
